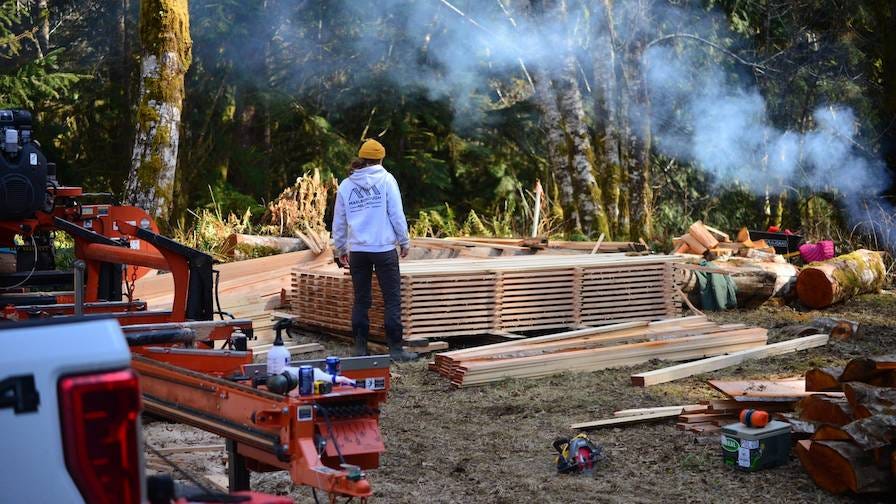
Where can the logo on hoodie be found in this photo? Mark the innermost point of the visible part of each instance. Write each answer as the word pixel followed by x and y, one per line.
pixel 362 198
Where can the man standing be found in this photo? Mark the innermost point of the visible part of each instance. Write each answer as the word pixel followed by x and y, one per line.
pixel 368 223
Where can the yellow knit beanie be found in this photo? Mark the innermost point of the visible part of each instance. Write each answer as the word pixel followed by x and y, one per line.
pixel 371 149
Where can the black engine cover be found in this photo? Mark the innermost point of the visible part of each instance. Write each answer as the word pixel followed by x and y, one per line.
pixel 23 183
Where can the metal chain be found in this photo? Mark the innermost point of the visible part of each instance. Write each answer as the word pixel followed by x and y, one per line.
pixel 130 285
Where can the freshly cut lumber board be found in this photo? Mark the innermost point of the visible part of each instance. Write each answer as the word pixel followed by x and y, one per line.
pixel 596 348
pixel 766 390
pixel 660 409
pixel 722 361
pixel 624 420
pixel 476 296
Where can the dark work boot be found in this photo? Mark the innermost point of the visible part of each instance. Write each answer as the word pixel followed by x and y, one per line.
pixel 360 349
pixel 402 355
pixel 399 354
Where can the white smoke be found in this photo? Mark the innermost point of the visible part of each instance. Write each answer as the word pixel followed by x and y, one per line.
pixel 705 107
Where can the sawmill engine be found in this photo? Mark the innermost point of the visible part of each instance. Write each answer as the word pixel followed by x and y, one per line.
pixel 24 171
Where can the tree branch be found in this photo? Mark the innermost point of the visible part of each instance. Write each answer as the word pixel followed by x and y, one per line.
pixel 691 36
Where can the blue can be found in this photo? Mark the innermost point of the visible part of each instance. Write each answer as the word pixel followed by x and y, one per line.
pixel 333 365
pixel 306 380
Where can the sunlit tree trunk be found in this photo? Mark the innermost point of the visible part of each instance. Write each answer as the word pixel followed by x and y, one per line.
pixel 166 54
pixel 588 199
pixel 41 14
pixel 606 113
pixel 557 148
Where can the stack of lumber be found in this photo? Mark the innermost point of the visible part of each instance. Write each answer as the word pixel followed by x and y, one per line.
pixel 705 417
pixel 822 284
pixel 596 348
pixel 701 238
pixel 853 447
pixel 442 298
pixel 247 289
pixel 558 245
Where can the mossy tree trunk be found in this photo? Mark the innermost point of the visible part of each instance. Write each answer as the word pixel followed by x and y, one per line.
pixel 165 58
pixel 582 161
pixel 557 149
pixel 609 116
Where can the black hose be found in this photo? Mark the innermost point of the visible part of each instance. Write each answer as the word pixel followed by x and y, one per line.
pixel 160 337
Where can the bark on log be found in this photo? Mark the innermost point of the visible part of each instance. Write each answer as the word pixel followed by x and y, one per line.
pixel 283 244
pixel 824 283
pixel 838 464
pixel 824 380
pixel 831 433
pixel 869 369
pixel 873 432
pixel 756 283
pixel 826 409
pixel 867 400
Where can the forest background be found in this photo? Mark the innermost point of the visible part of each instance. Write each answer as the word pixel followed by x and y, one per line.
pixel 636 116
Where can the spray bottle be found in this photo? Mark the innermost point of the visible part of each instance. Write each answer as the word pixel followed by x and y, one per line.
pixel 278 356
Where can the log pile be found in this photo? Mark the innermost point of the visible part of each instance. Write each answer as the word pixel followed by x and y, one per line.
pixel 442 298
pixel 822 284
pixel 854 440
pixel 701 238
pixel 596 348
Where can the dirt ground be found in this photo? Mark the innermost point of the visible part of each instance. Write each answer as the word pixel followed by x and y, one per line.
pixel 492 444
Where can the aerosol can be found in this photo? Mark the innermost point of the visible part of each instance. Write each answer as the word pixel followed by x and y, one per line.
pixel 278 356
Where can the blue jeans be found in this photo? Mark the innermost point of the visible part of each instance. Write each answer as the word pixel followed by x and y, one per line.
pixel 362 266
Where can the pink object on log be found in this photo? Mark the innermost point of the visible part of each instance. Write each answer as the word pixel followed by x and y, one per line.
pixel 821 251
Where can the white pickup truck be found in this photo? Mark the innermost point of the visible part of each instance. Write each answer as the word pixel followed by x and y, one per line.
pixel 69 414
pixel 70 428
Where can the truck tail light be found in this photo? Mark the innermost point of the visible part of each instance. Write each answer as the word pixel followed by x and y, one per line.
pixel 99 432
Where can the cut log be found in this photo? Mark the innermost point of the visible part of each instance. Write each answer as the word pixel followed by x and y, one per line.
pixel 816 472
pixel 238 243
pixel 824 379
pixel 867 400
pixel 718 235
pixel 836 464
pixel 865 369
pixel 756 281
pixel 831 433
pixel 829 410
pixel 714 363
pixel 701 234
pixel 822 284
pixel 743 235
pixel 840 329
pixel 873 432
pixel 694 244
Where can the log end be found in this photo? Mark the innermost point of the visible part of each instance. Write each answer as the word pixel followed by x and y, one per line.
pixel 814 288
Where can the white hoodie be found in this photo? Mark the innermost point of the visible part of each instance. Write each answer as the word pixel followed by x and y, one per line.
pixel 369 216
